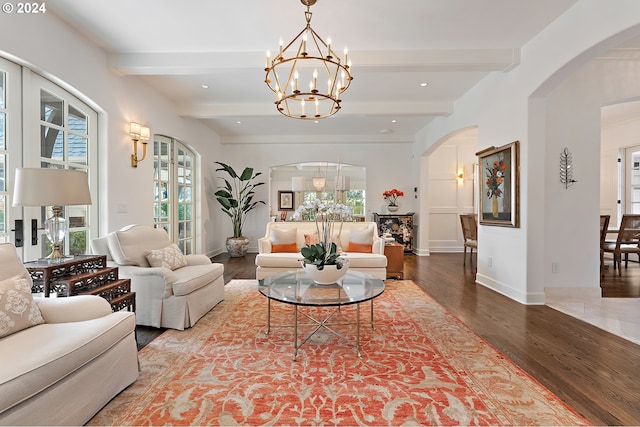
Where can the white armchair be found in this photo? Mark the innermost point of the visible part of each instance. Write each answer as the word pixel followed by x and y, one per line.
pixel 63 364
pixel 173 293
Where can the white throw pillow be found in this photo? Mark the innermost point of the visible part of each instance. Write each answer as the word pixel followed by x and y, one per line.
pixel 18 310
pixel 282 236
pixel 363 237
pixel 170 257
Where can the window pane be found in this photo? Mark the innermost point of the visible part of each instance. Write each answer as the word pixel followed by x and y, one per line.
pixel 3 131
pixel 3 84
pixel 78 147
pixel 164 211
pixel 51 108
pixel 77 120
pixel 51 143
pixel 77 216
pixel 3 215
pixel 77 242
pixel 3 172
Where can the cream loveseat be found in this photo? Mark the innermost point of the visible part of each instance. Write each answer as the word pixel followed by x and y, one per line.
pixel 177 291
pixel 279 249
pixel 71 358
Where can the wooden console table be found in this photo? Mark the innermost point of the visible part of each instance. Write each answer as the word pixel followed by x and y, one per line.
pixel 82 275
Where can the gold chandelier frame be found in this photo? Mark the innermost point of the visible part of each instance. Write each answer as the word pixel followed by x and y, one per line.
pixel 312 56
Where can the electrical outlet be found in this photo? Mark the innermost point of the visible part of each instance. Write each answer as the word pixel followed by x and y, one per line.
pixel 490 261
pixel 554 267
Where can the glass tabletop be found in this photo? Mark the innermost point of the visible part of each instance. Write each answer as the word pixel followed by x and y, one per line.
pixel 295 287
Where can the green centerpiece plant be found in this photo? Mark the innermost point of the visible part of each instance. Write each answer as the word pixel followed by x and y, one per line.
pixel 316 256
pixel 236 198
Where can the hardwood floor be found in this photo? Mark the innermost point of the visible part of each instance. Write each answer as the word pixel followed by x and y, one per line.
pixel 593 371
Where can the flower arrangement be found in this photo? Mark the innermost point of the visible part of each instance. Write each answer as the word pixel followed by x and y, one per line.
pixel 326 217
pixel 392 196
pixel 495 177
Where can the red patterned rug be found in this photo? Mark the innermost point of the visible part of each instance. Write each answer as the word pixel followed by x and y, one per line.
pixel 420 366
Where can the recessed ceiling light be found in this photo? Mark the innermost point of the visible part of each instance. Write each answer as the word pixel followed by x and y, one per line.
pixel 423 84
pixel 393 121
pixel 238 122
pixel 205 86
pixel 315 121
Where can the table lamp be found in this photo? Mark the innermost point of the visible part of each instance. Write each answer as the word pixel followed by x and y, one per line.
pixel 55 188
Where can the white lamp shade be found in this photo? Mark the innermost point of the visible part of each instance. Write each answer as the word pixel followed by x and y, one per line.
pixel 50 187
pixel 297 183
pixel 342 183
pixel 135 129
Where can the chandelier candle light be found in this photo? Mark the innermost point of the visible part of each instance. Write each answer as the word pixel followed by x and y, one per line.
pixel 308 57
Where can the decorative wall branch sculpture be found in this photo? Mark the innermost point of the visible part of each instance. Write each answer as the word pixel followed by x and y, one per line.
pixel 566 168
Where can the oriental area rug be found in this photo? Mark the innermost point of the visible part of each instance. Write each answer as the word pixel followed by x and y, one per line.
pixel 419 366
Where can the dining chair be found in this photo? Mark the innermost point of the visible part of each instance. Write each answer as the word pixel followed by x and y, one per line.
pixel 627 242
pixel 604 226
pixel 469 234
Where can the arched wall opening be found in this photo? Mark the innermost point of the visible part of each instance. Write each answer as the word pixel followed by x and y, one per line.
pixel 565 112
pixel 449 168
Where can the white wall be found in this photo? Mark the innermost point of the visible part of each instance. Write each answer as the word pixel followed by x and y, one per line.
pixel 49 47
pixel 512 106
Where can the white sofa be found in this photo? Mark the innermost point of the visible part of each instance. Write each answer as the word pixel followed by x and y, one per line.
pixel 166 297
pixel 268 262
pixel 62 371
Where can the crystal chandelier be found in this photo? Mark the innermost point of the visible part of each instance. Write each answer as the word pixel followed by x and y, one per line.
pixel 307 76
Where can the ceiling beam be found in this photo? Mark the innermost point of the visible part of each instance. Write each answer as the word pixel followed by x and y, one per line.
pixel 318 139
pixel 401 61
pixel 201 111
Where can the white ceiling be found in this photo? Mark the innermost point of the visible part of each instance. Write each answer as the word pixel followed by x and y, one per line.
pixel 177 46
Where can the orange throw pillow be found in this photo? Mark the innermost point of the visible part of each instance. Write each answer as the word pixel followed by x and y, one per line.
pixel 284 247
pixel 359 247
pixel 311 239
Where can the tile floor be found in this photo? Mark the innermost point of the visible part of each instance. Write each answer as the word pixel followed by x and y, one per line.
pixel 620 316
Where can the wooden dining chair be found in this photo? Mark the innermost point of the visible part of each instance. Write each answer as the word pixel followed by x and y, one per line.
pixel 604 226
pixel 627 242
pixel 469 234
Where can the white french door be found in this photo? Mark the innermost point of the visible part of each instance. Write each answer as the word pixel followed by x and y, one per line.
pixel 44 126
pixel 174 204
pixel 10 147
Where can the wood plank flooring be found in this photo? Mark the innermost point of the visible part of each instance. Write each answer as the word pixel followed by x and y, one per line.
pixel 593 371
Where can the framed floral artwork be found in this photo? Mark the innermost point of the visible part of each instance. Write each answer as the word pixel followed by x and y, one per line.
pixel 285 200
pixel 499 191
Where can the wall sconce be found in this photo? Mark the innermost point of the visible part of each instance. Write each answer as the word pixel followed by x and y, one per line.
pixel 142 134
pixel 460 176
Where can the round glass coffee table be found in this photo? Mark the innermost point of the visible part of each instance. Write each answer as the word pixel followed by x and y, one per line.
pixel 297 289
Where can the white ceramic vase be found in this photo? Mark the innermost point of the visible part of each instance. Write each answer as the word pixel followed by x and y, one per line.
pixel 393 208
pixel 329 275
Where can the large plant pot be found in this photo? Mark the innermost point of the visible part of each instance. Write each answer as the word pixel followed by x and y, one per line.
pixel 237 246
pixel 328 275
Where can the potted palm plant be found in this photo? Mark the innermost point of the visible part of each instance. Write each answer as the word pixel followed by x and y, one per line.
pixel 236 199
